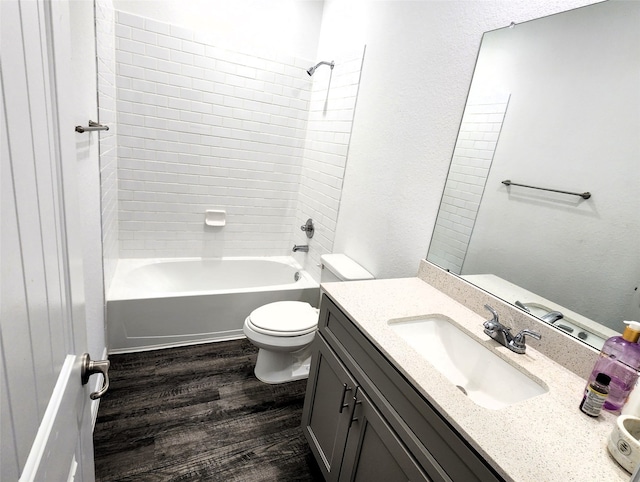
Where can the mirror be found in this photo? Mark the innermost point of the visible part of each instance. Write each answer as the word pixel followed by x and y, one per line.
pixel 554 103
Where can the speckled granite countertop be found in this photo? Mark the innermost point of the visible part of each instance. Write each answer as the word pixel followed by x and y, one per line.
pixel 543 439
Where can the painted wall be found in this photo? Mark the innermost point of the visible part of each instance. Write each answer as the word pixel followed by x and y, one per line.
pixel 419 63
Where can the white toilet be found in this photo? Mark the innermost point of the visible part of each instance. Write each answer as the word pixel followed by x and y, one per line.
pixel 283 331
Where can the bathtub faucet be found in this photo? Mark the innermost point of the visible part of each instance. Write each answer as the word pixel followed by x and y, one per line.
pixel 301 247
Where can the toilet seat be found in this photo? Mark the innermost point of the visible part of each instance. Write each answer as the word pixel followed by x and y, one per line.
pixel 284 318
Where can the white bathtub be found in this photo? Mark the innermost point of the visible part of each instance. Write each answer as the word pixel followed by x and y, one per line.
pixel 156 303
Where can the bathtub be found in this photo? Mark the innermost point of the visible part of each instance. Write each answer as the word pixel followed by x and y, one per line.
pixel 157 303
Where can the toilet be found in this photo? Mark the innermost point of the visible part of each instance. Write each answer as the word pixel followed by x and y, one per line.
pixel 283 330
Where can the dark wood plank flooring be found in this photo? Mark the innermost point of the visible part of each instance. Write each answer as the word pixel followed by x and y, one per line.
pixel 198 413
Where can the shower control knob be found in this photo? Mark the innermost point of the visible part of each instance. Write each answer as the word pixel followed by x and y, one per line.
pixel 308 228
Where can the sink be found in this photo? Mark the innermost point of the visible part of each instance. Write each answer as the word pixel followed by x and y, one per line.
pixel 479 373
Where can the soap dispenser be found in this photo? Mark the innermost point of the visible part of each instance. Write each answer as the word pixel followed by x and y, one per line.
pixel 620 359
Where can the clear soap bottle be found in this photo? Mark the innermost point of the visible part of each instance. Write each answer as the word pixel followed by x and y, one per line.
pixel 620 360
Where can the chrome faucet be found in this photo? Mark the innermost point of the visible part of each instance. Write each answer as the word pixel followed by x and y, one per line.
pixel 502 334
pixel 301 247
pixel 552 317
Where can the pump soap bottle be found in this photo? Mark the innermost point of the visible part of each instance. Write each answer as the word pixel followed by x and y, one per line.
pixel 620 359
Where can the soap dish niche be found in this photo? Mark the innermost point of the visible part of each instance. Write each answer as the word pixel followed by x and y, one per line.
pixel 215 217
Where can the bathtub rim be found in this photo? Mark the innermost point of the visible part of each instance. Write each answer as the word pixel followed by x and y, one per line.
pixel 117 292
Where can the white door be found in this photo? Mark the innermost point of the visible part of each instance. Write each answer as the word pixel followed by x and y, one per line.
pixel 46 425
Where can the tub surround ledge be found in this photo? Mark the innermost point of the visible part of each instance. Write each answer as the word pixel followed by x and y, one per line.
pixel 543 438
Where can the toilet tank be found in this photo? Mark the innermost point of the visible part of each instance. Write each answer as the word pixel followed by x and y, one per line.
pixel 339 267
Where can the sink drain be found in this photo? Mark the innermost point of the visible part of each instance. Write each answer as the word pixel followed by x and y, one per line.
pixel 461 389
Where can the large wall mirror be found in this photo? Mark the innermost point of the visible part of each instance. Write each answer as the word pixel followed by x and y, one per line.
pixel 554 104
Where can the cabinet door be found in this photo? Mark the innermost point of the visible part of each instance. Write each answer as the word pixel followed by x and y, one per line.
pixel 327 409
pixel 373 450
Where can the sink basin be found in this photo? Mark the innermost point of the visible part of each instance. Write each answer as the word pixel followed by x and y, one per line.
pixel 482 375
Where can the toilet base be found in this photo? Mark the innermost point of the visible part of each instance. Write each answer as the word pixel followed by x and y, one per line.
pixel 281 367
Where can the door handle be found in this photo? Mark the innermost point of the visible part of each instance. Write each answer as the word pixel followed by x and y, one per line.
pixel 90 367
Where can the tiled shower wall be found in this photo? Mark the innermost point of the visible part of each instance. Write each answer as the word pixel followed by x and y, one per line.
pixel 105 50
pixel 472 157
pixel 205 128
pixel 331 111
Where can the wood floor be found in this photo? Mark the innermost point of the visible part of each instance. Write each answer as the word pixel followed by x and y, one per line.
pixel 199 414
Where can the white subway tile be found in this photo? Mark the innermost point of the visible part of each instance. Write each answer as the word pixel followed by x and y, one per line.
pixel 205 62
pixel 132 46
pixel 175 103
pixel 157 52
pixel 129 19
pixel 189 116
pixel 191 71
pixel 181 33
pixel 124 57
pixel 237 130
pixel 144 36
pixel 122 31
pixel 193 47
pixel 181 57
pixel 169 42
pixel 155 26
pixel 201 107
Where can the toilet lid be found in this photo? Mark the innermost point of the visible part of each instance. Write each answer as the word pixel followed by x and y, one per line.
pixel 285 318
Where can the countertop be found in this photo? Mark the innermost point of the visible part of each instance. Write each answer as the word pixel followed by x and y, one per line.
pixel 544 439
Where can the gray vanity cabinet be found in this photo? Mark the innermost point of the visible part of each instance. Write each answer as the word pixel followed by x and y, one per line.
pixel 373 451
pixel 365 422
pixel 347 435
pixel 327 409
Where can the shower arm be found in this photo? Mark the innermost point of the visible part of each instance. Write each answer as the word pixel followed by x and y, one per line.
pixel 311 70
pixel 331 64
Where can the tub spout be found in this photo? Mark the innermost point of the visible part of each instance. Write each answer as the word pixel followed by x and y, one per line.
pixel 301 247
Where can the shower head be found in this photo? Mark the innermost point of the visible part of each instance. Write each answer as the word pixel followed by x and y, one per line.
pixel 311 70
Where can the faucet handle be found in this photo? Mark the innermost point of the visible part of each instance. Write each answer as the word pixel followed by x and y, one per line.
pixel 518 344
pixel 520 340
pixel 493 323
pixel 493 312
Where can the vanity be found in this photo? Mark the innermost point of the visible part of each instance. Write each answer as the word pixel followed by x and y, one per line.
pixel 376 409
